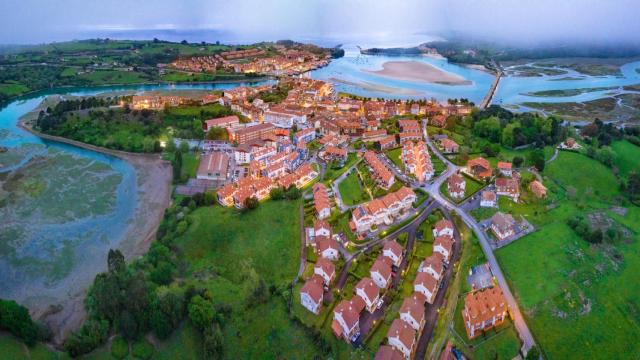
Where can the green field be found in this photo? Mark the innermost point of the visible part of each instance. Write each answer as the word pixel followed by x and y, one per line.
pixel 14 349
pixel 100 77
pixel 627 157
pixel 224 249
pixel 394 155
pixel 334 172
pixel 351 191
pixel 580 300
pixel 13 89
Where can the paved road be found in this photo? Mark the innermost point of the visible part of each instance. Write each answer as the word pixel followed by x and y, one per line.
pixel 518 318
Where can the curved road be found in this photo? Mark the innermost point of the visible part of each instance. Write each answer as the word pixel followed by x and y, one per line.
pixel 434 191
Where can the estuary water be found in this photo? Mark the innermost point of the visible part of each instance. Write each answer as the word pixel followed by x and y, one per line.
pixel 62 207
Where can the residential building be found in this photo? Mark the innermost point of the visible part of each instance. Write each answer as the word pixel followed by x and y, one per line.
pixel 331 153
pixel 387 142
pixel 503 225
pixel 479 168
pixel 381 210
pixel 321 228
pixel 402 337
pixel 443 227
pixel 449 146
pixel 508 187
pixel 381 272
pixel 221 122
pixel 321 201
pixel 484 310
pixel 488 199
pixel 311 294
pixel 251 133
pixel 505 168
pixel 326 270
pixel 214 166
pixel 388 352
pixel 327 248
pixel 433 265
pixel 307 135
pixel 426 285
pixel 412 311
pixel 393 251
pixel 417 160
pixel 346 319
pixel 456 185
pixel 379 171
pixel 369 292
pixel 539 190
pixel 444 245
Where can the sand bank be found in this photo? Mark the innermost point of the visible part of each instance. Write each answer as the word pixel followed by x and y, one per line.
pixel 418 71
pixel 379 88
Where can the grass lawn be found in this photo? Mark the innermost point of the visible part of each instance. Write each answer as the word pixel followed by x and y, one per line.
pixel 99 77
pixel 331 173
pixel 482 213
pixel 627 156
pixel 351 191
pixel 580 300
pixel 471 188
pixel 394 155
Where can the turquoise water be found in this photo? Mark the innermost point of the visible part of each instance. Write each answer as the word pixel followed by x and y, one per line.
pixel 514 90
pixel 43 253
pixel 350 68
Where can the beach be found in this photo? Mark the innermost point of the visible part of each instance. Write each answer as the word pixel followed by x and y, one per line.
pixel 418 71
pixel 378 88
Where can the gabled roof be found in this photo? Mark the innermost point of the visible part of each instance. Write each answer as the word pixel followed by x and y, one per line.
pixel 394 247
pixel 445 241
pixel 326 266
pixel 443 224
pixel 370 289
pixel 406 334
pixel 381 267
pixel 414 306
pixel 387 352
pixel 427 280
pixel 313 287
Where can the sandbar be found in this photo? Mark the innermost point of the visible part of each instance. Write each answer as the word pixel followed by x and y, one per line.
pixel 418 71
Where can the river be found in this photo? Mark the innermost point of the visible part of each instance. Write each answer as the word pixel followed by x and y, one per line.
pixel 63 207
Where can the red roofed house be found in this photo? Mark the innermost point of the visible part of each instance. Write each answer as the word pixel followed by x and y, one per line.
pixel 387 352
pixel 443 227
pixel 505 168
pixel 321 201
pixel 412 311
pixel 321 228
pixel 484 310
pixel 327 248
pixel 508 187
pixel 311 294
pixel 346 319
pixel 426 285
pixel 369 292
pixel 449 146
pixel 539 190
pixel 402 337
pixel 325 269
pixel 444 246
pixel 381 174
pixel 222 122
pixel 225 195
pixel 214 166
pixel 456 186
pixel 488 199
pixel 381 272
pixel 479 167
pixel 393 251
pixel 433 265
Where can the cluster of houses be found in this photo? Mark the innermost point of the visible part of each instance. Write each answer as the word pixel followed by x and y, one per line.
pixel 381 210
pixel 417 160
pixel 367 293
pixel 404 332
pixel 285 61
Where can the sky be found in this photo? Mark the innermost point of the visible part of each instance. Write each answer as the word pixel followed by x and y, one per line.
pixel 512 21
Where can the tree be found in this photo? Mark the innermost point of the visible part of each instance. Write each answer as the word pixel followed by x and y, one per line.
pixel 251 203
pixel 633 186
pixel 293 193
pixel 517 161
pixel 276 193
pixel 115 261
pixel 217 133
pixel 536 158
pixel 212 342
pixel 533 353
pixel 184 147
pixel 15 318
pixel 177 165
pixel 201 312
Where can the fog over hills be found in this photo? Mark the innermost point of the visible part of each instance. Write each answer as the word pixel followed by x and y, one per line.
pixel 515 22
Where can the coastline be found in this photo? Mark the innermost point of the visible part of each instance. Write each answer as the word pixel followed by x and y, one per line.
pixel 154 177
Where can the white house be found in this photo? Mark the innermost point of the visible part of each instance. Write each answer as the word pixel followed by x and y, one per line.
pixel 325 269
pixel 381 272
pixel 503 225
pixel 311 294
pixel 412 311
pixel 402 337
pixel 369 292
pixel 488 199
pixel 433 265
pixel 393 251
pixel 444 246
pixel 426 285
pixel 327 248
pixel 443 227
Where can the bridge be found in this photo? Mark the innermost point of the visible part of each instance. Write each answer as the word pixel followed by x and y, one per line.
pixel 492 90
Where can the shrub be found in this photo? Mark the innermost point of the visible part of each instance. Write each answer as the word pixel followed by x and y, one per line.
pixel 142 350
pixel 15 318
pixel 119 348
